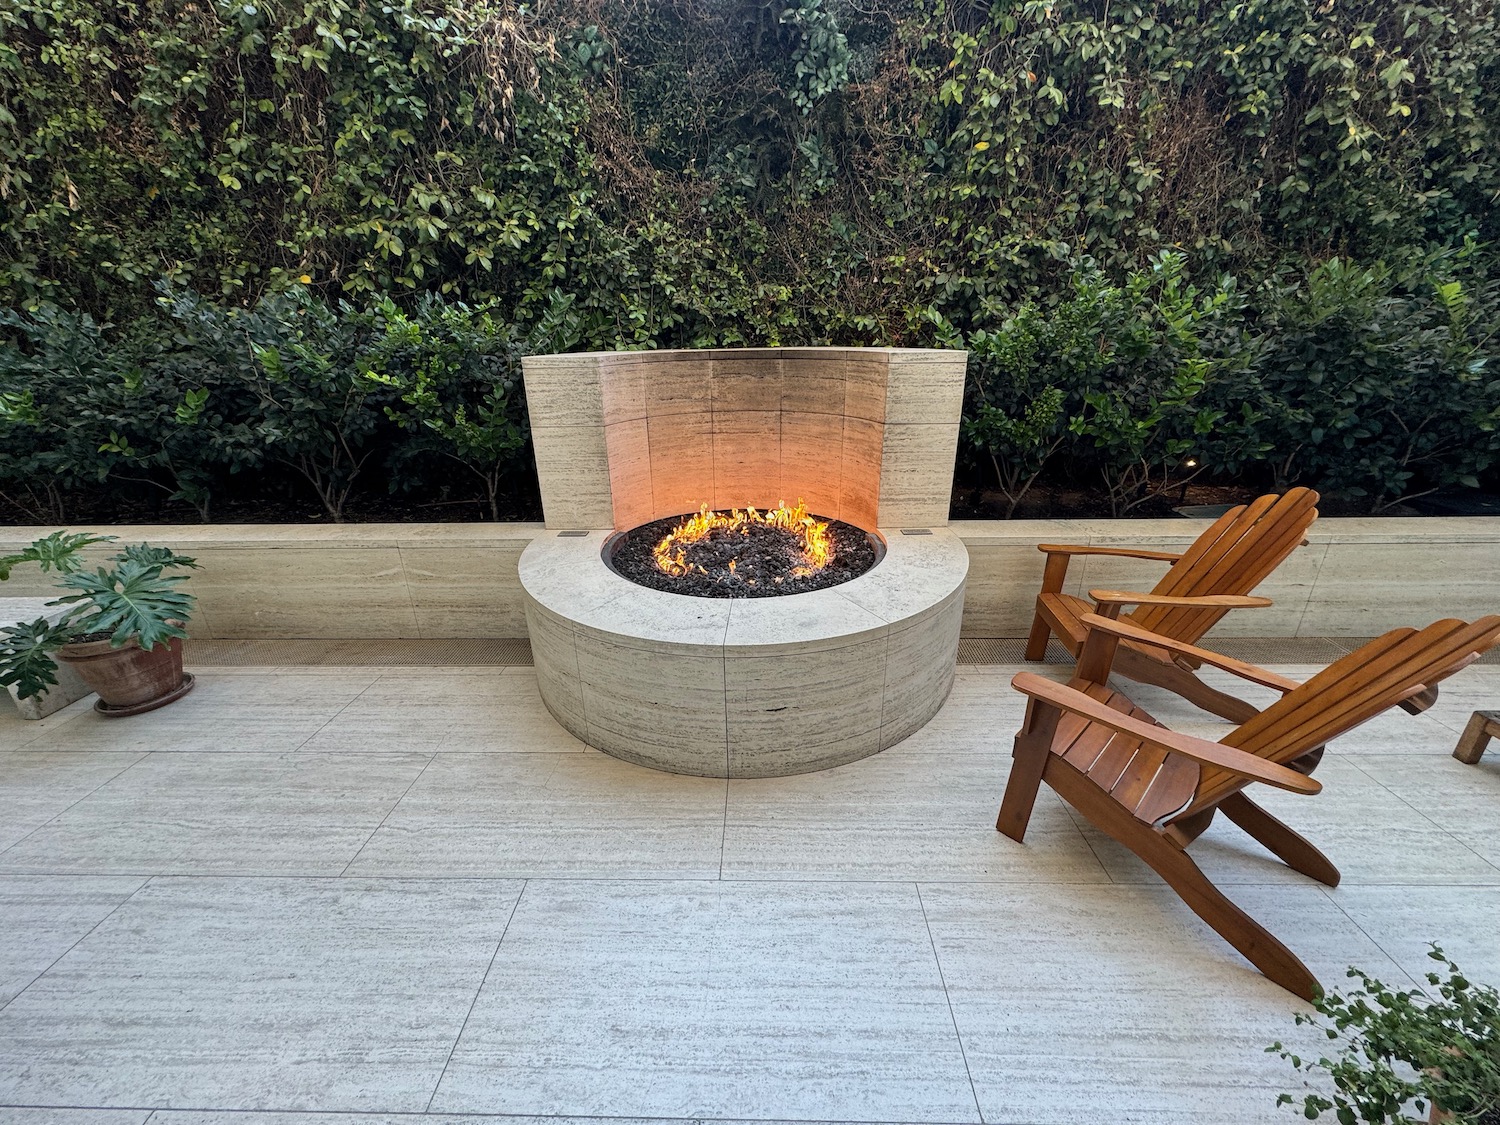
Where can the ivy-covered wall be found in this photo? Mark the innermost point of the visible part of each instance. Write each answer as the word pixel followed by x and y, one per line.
pixel 798 172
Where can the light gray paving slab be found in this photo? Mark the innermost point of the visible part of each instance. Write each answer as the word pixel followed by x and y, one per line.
pixel 899 816
pixel 730 999
pixel 37 786
pixel 1404 920
pixel 258 993
pixel 1464 800
pixel 489 712
pixel 224 712
pixel 22 1116
pixel 550 815
pixel 267 814
pixel 42 917
pixel 1107 1004
pixel 17 733
pixel 1369 833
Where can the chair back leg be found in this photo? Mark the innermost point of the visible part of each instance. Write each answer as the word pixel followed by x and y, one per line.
pixel 1258 945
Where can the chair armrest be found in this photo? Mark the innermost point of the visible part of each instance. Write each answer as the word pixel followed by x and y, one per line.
pixel 1121 552
pixel 1202 601
pixel 1129 632
pixel 1216 754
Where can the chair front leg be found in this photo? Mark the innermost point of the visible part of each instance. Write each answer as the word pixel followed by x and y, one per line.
pixel 1033 746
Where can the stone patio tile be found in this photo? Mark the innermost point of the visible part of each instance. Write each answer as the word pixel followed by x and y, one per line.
pixel 550 815
pixel 900 816
pixel 42 917
pixel 713 1000
pixel 223 712
pixel 1403 920
pixel 20 1116
pixel 35 787
pixel 267 814
pixel 1371 835
pixel 490 711
pixel 1109 1004
pixel 17 733
pixel 255 993
pixel 1464 800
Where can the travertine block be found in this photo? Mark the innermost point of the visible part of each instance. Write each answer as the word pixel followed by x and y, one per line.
pixel 925 387
pixel 573 471
pixel 465 591
pixel 623 387
pixel 859 478
pixel 682 462
pixel 746 458
pixel 628 447
pixel 864 387
pixel 812 461
pixel 916 474
pixel 746 383
pixel 564 390
pixel 683 385
pixel 814 386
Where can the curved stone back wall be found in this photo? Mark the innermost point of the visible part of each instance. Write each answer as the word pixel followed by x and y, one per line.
pixel 865 435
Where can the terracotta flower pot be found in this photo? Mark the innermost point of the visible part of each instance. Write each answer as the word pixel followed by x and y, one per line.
pixel 130 679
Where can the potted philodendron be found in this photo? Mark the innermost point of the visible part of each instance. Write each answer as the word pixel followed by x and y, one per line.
pixel 122 630
pixel 1439 1055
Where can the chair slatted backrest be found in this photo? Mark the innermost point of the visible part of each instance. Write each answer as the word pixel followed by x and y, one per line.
pixel 1351 690
pixel 1243 546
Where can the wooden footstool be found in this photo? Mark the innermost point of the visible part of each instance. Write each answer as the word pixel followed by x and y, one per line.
pixel 1484 726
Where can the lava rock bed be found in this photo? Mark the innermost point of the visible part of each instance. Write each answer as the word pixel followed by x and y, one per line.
pixel 760 553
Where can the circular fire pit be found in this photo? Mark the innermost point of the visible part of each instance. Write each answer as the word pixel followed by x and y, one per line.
pixel 742 686
pixel 743 553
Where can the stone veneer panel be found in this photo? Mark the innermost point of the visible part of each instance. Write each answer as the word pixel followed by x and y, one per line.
pixel 647 435
pixel 413 581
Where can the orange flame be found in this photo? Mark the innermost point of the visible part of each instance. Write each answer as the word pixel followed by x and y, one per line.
pixel 817 545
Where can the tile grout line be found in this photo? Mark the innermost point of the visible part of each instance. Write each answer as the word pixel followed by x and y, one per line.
pixel 395 805
pixel 330 720
pixel 1328 894
pixel 952 1015
pixel 144 754
pixel 477 992
pixel 1399 799
pixel 146 883
pixel 385 1116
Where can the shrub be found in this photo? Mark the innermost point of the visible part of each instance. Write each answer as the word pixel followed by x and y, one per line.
pixel 1402 1048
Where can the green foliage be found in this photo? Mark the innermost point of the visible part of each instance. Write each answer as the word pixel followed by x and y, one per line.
pixel 57 551
pixel 799 172
pixel 457 372
pixel 1388 392
pixel 1400 1049
pixel 131 600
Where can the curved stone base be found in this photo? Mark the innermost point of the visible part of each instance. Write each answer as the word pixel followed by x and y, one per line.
pixel 745 687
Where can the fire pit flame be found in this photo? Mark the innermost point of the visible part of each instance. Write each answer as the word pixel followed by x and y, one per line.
pixel 810 533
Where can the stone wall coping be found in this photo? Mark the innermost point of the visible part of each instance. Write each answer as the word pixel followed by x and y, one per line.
pixel 1346 529
pixel 567 359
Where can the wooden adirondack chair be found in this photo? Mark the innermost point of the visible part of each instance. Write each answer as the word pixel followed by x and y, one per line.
pixel 1204 583
pixel 1155 790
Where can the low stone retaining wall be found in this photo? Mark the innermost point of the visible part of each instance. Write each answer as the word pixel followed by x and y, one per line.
pixel 1356 578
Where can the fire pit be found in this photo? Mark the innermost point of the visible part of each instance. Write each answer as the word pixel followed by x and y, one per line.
pixel 681 615
pixel 743 553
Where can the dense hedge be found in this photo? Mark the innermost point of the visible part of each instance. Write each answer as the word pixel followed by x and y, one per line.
pixel 601 174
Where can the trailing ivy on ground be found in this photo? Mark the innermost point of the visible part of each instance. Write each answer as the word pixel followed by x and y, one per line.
pixel 1251 241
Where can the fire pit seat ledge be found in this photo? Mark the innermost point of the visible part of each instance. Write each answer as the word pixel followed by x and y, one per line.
pixel 745 687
